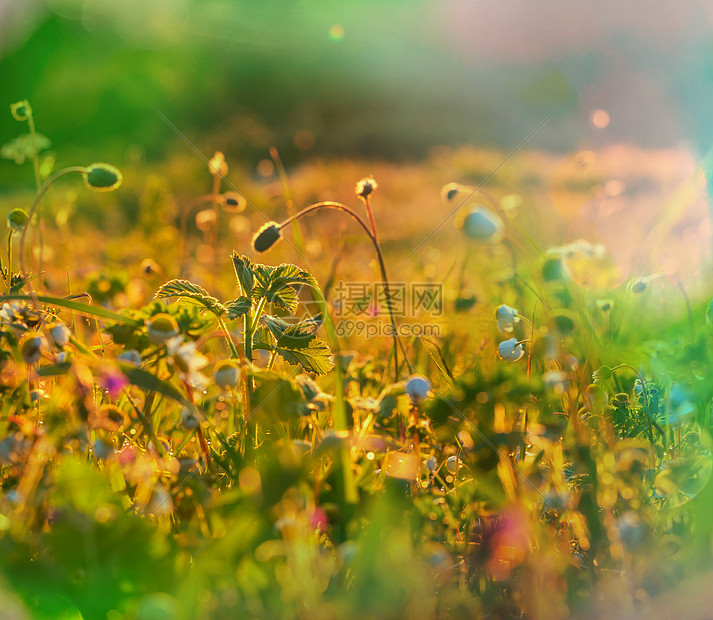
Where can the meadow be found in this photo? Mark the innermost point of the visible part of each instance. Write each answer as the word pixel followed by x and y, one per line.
pixel 447 389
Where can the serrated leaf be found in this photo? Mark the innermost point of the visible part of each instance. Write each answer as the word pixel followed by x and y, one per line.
pixel 237 307
pixel 192 293
pixel 263 339
pixel 276 284
pixel 244 272
pixel 312 354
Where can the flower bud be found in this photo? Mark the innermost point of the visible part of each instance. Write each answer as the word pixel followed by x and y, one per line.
pixel 417 388
pixel 506 317
pixel 510 350
pixel 60 334
pixel 638 285
pixel 190 419
pixel 131 357
pixel 102 177
pixel 227 374
pixel 31 347
pixel 161 327
pixel 17 220
pixel 481 224
pixel 232 202
pixel 217 165
pixel 266 237
pixel 21 110
pixel 365 187
pixel 450 191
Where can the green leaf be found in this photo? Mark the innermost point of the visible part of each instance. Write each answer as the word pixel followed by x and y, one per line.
pixel 276 284
pixel 292 334
pixel 237 307
pixel 21 148
pixel 244 272
pixel 78 306
pixel 263 339
pixel 275 396
pixel 312 353
pixel 149 382
pixel 191 293
pixel 295 343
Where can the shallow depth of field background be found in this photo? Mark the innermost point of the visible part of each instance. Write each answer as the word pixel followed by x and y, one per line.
pixel 585 120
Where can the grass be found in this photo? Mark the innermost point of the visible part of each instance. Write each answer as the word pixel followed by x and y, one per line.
pixel 188 431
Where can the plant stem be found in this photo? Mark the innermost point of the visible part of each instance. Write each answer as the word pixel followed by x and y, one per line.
pixel 9 261
pixel 282 173
pixel 35 205
pixel 38 184
pixel 328 204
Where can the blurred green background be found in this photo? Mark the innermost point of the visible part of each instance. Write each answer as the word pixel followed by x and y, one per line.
pixel 382 79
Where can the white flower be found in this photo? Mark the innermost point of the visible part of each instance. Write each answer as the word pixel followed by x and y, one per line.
pixel 511 350
pixel 506 317
pixel 417 388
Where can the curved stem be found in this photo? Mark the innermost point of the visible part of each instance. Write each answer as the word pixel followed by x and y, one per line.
pixel 33 209
pixel 328 204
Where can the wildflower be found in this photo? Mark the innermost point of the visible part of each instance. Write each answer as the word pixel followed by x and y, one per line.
pixel 161 327
pixel 113 381
pixel 227 374
pixel 60 334
pixel 417 388
pixel 102 178
pixel 506 317
pixel 31 347
pixel 365 187
pixel 266 237
pixel 511 350
pixel 131 357
pixel 481 224
pixel 17 220
pixel 217 165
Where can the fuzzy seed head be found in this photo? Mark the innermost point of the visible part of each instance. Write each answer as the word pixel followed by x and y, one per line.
pixel 102 178
pixel 365 187
pixel 266 237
